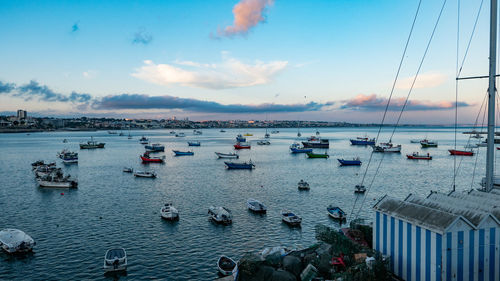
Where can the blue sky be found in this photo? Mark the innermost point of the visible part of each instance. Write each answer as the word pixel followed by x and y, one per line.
pixel 318 60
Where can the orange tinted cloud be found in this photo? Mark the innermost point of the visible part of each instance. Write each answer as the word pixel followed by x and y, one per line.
pixel 247 14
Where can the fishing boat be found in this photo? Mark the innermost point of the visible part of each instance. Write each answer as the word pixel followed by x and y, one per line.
pixel 169 212
pixel 248 135
pixel 317 155
pixel 263 142
pixel 240 138
pixel 290 218
pixel 225 265
pixel 315 142
pixel 15 241
pixel 44 170
pixel 180 135
pixel 222 131
pixel 417 156
pixel 227 155
pixel 297 148
pixel 220 215
pixel 70 159
pixel 362 141
pixel 352 162
pixel 197 132
pixel 461 152
pixel 303 185
pixel 359 188
pixel 128 170
pixel 387 147
pixel 142 174
pixel 115 260
pixel 143 140
pixel 172 132
pixel 183 153
pixel 336 213
pixel 41 163
pixel 146 158
pixel 91 144
pixel 155 147
pixel 55 180
pixel 194 143
pixel 428 143
pixel 240 145
pixel 239 166
pixel 256 206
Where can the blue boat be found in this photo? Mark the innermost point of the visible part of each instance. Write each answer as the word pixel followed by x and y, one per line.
pixel 353 162
pixel 244 165
pixel 297 148
pixel 240 138
pixel 336 213
pixel 182 153
pixel 194 143
pixel 362 141
pixel 155 147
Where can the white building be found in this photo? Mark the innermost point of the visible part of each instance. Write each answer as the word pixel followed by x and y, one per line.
pixel 21 114
pixel 452 236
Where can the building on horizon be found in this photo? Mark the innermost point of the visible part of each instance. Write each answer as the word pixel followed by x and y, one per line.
pixel 22 114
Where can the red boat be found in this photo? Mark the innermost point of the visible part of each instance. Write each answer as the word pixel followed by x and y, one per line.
pixel 241 146
pixel 417 156
pixel 147 159
pixel 461 152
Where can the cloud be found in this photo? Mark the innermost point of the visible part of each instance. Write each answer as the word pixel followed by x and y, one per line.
pixel 247 14
pixel 231 73
pixel 374 103
pixel 137 101
pixel 6 87
pixel 424 80
pixel 142 37
pixel 34 90
pixel 75 27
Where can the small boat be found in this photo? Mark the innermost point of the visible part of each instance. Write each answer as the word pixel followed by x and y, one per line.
pixel 220 215
pixel 275 132
pixel 290 218
pixel 115 260
pixel 194 143
pixel 65 140
pixel 263 142
pixel 359 188
pixel 352 162
pixel 197 132
pixel 172 132
pixel 256 206
pixel 183 153
pixel 155 147
pixel 225 265
pixel 68 157
pixel 248 135
pixel 428 143
pixel 180 135
pixel 387 147
pixel 141 174
pixel 314 142
pixel 15 241
pixel 267 135
pixel 362 141
pixel 169 212
pixel 112 132
pixel 472 145
pixel 336 213
pixel 416 156
pixel 91 144
pixel 57 181
pixel 222 131
pixel 240 138
pixel 240 145
pixel 303 185
pixel 240 166
pixel 297 148
pixel 143 140
pixel 317 155
pixel 146 158
pixel 121 134
pixel 128 170
pixel 227 155
pixel 415 141
pixel 461 152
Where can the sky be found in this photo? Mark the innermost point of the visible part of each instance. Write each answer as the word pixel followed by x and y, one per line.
pixel 331 60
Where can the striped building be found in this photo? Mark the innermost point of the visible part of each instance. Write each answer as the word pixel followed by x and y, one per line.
pixel 452 236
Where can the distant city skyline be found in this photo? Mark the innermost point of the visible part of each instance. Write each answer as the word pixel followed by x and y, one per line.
pixel 248 59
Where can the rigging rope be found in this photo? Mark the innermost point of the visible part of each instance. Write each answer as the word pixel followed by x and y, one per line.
pixel 456 96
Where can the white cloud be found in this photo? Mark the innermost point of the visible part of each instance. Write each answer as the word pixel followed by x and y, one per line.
pixel 424 80
pixel 230 73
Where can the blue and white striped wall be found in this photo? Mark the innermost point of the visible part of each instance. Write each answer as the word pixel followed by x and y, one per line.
pixel 460 253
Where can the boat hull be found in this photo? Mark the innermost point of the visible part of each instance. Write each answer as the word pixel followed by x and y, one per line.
pixel 362 142
pixel 315 145
pixel 91 146
pixel 314 155
pixel 151 160
pixel 228 156
pixel 349 162
pixel 299 150
pixel 183 153
pixel 461 152
pixel 239 166
pixel 237 146
pixel 51 184
pixel 413 157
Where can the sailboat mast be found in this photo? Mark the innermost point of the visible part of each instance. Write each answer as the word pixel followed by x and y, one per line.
pixel 491 99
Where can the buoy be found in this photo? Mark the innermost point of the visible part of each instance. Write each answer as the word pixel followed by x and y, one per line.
pixel 62 193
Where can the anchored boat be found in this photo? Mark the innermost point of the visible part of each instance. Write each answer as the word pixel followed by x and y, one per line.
pixel 115 260
pixel 263 142
pixel 297 148
pixel 303 185
pixel 169 212
pixel 352 162
pixel 227 155
pixel 225 265
pixel 240 145
pixel 143 140
pixel 15 241
pixel 146 158
pixel 91 144
pixel 220 215
pixel 256 206
pixel 387 147
pixel 362 141
pixel 240 138
pixel 336 213
pixel 461 152
pixel 194 143
pixel 290 218
pixel 428 143
pixel 417 156
pixel 141 174
pixel 317 155
pixel 155 147
pixel 183 153
pixel 315 142
pixel 240 166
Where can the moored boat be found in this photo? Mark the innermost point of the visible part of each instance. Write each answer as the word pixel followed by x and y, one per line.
pixel 142 174
pixel 220 215
pixel 336 213
pixel 15 241
pixel 248 135
pixel 169 212
pixel 143 140
pixel 194 143
pixel 297 148
pixel 317 155
pixel 256 206
pixel 359 189
pixel 417 156
pixel 128 170
pixel 183 153
pixel 240 145
pixel 225 265
pixel 428 143
pixel 315 142
pixel 290 218
pixel 227 155
pixel 352 162
pixel 146 158
pixel 303 185
pixel 239 166
pixel 197 132
pixel 115 260
pixel 461 152
pixel 180 135
pixel 55 181
pixel 263 142
pixel 155 147
pixel 240 138
pixel 362 141
pixel 387 147
pixel 91 144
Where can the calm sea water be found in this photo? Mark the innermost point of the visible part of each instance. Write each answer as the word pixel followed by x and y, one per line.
pixel 113 209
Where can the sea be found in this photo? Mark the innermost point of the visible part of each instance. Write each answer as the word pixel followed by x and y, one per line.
pixel 73 228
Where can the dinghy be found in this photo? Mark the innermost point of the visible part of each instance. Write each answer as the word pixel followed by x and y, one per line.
pixel 225 265
pixel 141 174
pixel 115 260
pixel 240 166
pixel 352 162
pixel 194 143
pixel 183 153
pixel 336 213
pixel 169 212
pixel 220 215
pixel 256 206
pixel 290 218
pixel 227 155
pixel 303 185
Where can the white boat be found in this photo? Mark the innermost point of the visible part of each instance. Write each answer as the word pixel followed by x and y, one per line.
pixel 227 155
pixel 303 185
pixel 226 265
pixel 471 145
pixel 143 140
pixel 290 218
pixel 387 147
pixel 359 189
pixel 115 260
pixel 263 142
pixel 128 170
pixel 256 206
pixel 56 180
pixel 220 215
pixel 169 212
pixel 197 132
pixel 180 135
pixel 142 174
pixel 16 241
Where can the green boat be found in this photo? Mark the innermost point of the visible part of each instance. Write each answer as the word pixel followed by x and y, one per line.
pixel 427 143
pixel 317 155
